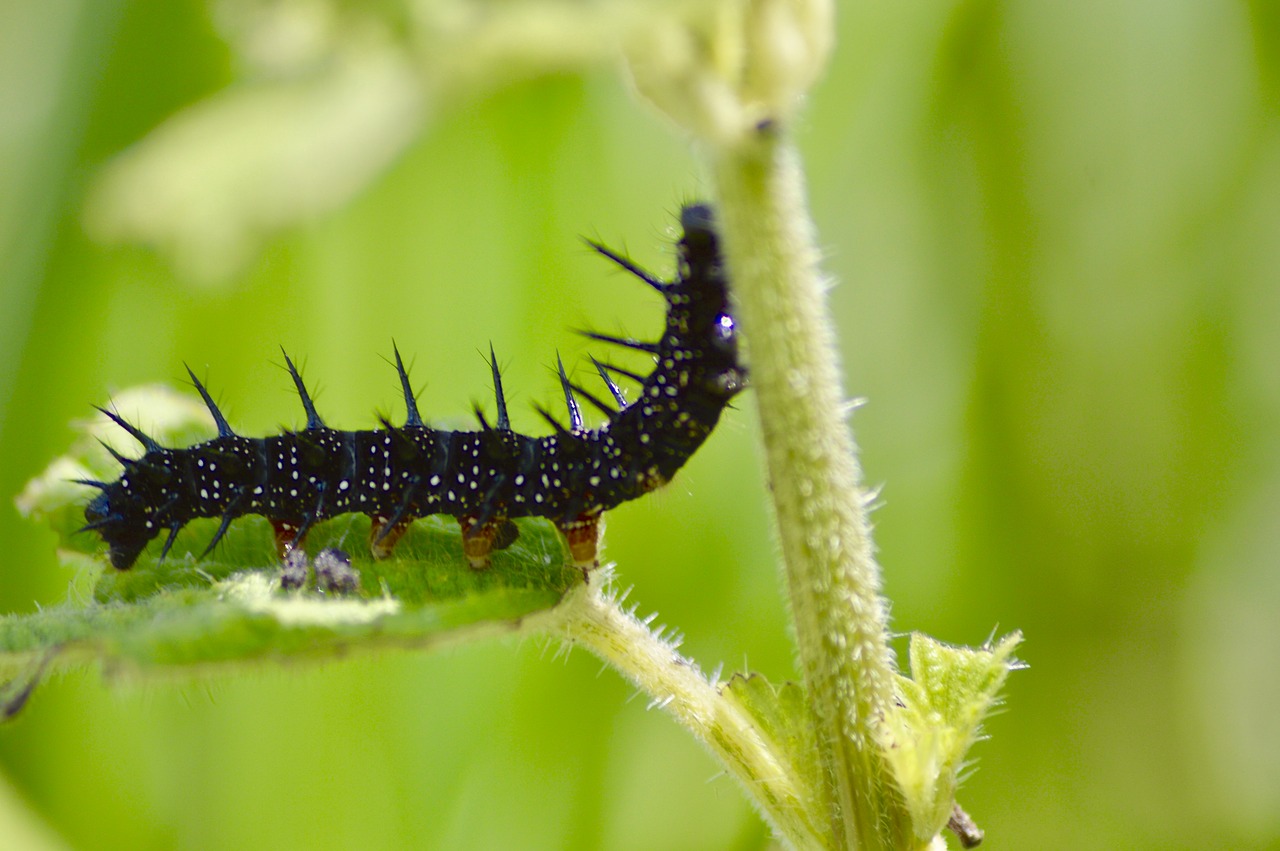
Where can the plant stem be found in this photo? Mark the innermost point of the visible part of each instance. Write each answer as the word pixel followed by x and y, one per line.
pixel 832 576
pixel 596 621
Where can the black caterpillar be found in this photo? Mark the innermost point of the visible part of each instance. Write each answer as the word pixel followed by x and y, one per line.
pixel 484 478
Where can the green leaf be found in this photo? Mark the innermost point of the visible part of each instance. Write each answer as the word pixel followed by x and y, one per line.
pixel 183 614
pixel 782 718
pixel 950 691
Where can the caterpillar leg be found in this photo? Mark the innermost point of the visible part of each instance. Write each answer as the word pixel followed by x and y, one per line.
pixel 287 539
pixel 479 539
pixel 384 535
pixel 583 535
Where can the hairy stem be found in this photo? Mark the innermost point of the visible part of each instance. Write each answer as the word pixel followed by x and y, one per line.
pixel 832 575
pixel 595 620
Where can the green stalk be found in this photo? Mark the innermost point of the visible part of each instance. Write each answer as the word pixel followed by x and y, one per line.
pixel 593 618
pixel 821 506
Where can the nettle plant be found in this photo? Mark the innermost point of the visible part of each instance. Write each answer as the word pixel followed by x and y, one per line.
pixel 859 755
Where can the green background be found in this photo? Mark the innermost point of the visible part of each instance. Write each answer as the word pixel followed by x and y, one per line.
pixel 1055 232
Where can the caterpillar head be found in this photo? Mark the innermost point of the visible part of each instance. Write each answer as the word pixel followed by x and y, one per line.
pixel 113 514
pixel 702 290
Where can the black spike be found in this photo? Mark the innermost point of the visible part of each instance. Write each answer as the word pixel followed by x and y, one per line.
pixel 413 419
pixel 109 520
pixel 546 415
pixel 230 514
pixel 505 535
pixel 618 395
pixel 138 463
pixel 313 419
pixel 126 462
pixel 489 508
pixel 137 434
pixel 575 413
pixel 484 423
pixel 387 527
pixel 595 401
pixel 224 430
pixel 504 422
pixel 634 376
pixel 625 263
pixel 15 693
pixel 217 536
pixel 403 508
pixel 93 483
pixel 310 519
pixel 168 543
pixel 638 345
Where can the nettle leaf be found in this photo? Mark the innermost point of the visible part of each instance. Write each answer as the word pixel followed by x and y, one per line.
pixel 943 703
pixel 228 608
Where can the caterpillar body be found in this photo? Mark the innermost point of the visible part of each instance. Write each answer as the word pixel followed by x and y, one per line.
pixel 484 478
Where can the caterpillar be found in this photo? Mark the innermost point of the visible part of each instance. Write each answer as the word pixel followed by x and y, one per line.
pixel 484 478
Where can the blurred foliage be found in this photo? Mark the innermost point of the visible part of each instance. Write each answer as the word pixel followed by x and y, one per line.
pixel 1054 228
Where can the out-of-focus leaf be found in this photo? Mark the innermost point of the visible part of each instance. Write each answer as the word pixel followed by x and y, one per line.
pixel 334 93
pixel 213 181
